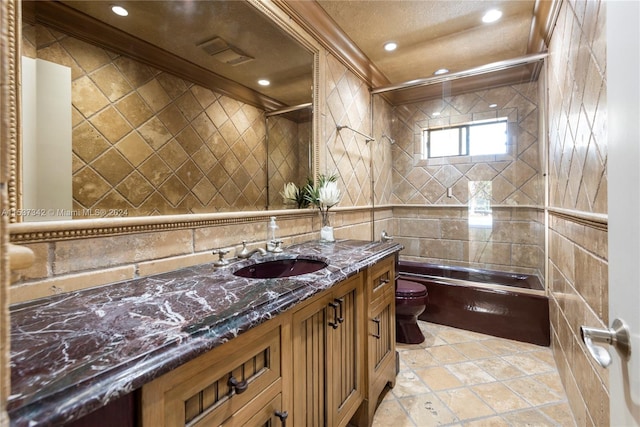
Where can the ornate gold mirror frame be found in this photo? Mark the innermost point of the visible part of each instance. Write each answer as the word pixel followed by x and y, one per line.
pixel 23 232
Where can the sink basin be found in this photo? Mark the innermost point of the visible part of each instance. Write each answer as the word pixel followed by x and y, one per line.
pixel 280 268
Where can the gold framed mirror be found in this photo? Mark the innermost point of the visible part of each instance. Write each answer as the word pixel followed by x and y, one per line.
pixel 174 104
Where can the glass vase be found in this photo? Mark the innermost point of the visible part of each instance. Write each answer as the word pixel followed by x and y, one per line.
pixel 326 230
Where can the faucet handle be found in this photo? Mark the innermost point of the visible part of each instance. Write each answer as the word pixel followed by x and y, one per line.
pixel 220 262
pixel 384 237
pixel 274 245
pixel 244 250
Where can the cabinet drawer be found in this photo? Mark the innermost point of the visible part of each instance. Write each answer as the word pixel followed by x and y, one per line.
pixel 201 391
pixel 259 413
pixel 381 279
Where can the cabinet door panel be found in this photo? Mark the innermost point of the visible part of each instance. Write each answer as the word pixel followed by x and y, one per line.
pixel 199 390
pixel 346 358
pixel 309 332
pixel 381 333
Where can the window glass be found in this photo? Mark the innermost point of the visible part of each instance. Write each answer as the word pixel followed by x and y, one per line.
pixel 444 142
pixel 490 138
pixel 473 139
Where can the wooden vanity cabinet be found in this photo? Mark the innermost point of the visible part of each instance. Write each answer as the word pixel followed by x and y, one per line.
pixel 328 356
pixel 318 364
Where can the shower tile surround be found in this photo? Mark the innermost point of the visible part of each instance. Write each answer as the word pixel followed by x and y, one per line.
pixel 435 228
pixel 150 143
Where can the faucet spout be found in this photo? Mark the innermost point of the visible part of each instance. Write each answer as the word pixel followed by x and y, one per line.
pixel 249 254
pixel 246 254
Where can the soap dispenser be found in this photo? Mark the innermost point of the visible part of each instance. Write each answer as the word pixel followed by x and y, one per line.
pixel 273 242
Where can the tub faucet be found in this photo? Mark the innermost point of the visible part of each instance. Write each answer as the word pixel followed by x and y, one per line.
pixel 384 237
pixel 246 253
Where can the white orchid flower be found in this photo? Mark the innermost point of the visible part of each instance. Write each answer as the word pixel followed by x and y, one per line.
pixel 329 194
pixel 289 193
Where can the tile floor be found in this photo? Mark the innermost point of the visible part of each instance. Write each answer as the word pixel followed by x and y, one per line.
pixel 462 378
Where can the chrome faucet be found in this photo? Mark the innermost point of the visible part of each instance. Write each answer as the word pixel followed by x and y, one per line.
pixel 384 237
pixel 246 253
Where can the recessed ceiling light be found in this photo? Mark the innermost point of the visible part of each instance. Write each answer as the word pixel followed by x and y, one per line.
pixel 264 82
pixel 440 71
pixel 435 114
pixel 491 16
pixel 390 46
pixel 119 10
pixel 493 105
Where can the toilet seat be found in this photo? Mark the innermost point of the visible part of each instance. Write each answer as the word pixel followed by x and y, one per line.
pixel 407 288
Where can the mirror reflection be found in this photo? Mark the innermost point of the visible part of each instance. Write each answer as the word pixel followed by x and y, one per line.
pixel 136 116
pixel 289 136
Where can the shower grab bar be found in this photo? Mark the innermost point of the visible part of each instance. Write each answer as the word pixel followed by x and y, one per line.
pixel 369 138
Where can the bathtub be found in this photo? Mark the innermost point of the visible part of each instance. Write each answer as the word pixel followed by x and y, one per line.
pixel 501 304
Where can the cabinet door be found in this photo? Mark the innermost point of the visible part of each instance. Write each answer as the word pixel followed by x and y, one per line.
pixel 309 332
pixel 346 355
pixel 382 337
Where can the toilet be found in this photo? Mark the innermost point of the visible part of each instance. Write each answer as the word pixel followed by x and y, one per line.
pixel 411 300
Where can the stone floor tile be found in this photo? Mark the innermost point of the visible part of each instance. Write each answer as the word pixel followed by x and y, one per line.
pixel 427 410
pixel 438 378
pixel 464 403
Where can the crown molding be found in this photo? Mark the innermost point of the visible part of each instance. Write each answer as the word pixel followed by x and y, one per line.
pixel 313 19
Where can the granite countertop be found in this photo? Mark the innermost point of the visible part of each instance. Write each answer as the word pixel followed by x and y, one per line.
pixel 75 352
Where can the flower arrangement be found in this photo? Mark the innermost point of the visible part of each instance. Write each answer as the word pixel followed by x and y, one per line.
pixel 291 194
pixel 324 195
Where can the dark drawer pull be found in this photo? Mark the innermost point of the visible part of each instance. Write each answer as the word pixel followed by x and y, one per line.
pixel 377 322
pixel 340 301
pixel 335 324
pixel 283 417
pixel 239 386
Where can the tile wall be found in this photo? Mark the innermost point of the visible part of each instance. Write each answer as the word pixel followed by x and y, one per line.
pixel 149 143
pixel 443 235
pixel 347 154
pixel 435 227
pixel 288 147
pixel 578 263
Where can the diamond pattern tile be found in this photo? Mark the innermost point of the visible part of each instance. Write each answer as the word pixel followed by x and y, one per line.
pixel 515 173
pixel 347 153
pixel 156 144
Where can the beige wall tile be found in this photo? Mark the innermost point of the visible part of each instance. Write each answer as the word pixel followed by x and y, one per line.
pixel 82 255
pixel 68 283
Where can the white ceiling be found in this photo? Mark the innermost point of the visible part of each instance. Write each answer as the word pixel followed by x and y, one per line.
pixel 433 34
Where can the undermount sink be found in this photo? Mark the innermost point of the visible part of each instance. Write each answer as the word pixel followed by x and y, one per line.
pixel 280 268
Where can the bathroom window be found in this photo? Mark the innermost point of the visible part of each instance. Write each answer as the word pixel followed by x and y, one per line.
pixel 472 139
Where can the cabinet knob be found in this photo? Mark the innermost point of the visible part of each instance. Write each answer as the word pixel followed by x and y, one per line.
pixel 239 386
pixel 283 417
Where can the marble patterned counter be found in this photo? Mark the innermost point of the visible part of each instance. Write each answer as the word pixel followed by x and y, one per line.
pixel 75 352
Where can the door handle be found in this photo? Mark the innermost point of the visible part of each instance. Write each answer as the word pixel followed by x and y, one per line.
pixel 617 336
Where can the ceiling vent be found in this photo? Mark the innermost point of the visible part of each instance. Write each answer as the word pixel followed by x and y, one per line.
pixel 222 51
